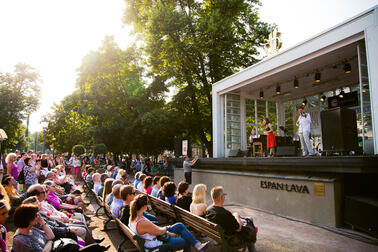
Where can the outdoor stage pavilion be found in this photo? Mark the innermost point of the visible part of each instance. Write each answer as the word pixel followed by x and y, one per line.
pixel 336 70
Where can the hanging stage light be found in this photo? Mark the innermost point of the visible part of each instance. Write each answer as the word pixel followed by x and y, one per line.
pixel 261 94
pixel 323 98
pixel 278 90
pixel 347 68
pixel 317 76
pixel 304 103
pixel 296 83
pixel 341 95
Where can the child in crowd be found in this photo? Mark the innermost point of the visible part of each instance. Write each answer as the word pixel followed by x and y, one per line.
pixel 96 181
pixel 184 200
pixel 162 182
pixel 148 185
pixel 140 186
pixel 156 187
pixel 103 177
pixel 169 191
pixel 89 177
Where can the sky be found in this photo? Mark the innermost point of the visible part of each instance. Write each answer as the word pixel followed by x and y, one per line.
pixel 54 35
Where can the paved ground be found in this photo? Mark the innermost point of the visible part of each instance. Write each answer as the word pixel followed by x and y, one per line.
pixel 275 234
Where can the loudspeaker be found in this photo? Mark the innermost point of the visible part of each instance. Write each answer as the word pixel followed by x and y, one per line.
pixel 286 151
pixel 361 212
pixel 339 130
pixel 177 142
pixel 235 153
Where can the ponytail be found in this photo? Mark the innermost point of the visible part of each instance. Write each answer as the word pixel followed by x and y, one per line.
pixel 137 204
pixel 133 210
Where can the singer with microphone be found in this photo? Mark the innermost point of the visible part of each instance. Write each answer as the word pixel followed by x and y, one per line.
pixel 304 130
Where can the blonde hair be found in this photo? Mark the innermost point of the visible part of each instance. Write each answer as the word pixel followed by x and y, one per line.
pixel 5 198
pixel 11 156
pixel 199 194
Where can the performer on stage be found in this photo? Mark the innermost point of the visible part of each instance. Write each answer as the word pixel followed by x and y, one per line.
pixel 304 130
pixel 271 138
pixel 252 136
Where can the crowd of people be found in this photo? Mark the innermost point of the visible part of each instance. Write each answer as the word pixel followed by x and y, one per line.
pixel 41 194
pixel 128 202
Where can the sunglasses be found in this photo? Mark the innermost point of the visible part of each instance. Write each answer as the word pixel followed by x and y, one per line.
pixel 133 193
pixel 42 192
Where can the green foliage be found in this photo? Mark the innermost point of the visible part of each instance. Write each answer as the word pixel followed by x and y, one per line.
pixel 68 125
pixel 78 150
pixel 100 149
pixel 19 92
pixel 192 45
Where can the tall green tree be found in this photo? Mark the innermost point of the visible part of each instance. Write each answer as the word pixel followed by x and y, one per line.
pixel 68 126
pixel 19 96
pixel 193 44
pixel 121 105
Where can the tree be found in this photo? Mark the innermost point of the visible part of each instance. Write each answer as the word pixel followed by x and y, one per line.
pixel 192 45
pixel 19 92
pixel 68 125
pixel 100 149
pixel 78 150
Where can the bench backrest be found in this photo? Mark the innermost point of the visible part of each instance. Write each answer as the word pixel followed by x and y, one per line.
pixel 198 223
pixel 139 243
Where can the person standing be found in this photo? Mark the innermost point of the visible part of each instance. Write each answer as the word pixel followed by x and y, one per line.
pixel 304 130
pixel 270 137
pixel 187 165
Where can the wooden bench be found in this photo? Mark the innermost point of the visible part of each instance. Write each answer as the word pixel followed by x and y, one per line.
pixel 205 227
pixel 162 208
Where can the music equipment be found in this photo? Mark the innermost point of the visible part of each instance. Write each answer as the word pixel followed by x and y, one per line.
pixel 235 153
pixel 361 213
pixel 339 130
pixel 286 151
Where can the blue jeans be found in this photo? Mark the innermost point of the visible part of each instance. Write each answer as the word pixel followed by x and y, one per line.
pixel 151 218
pixel 185 240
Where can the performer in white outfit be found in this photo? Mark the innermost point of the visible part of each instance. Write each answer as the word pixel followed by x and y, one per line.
pixel 304 130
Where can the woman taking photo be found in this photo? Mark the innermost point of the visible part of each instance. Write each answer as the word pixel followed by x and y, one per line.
pixel 271 138
pixel 149 231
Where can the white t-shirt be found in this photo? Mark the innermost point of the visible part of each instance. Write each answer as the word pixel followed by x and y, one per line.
pixel 304 123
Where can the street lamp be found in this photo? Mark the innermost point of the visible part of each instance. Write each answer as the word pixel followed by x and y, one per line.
pixel 44 123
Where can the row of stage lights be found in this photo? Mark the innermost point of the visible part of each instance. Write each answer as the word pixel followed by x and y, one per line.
pixel 347 69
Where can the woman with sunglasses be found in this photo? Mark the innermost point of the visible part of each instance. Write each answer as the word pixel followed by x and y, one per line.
pixel 149 231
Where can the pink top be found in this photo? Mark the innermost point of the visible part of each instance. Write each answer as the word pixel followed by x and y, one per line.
pixel 54 200
pixel 148 190
pixel 14 171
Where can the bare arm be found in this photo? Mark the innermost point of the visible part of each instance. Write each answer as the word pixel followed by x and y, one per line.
pixel 9 168
pixel 194 161
pixel 48 246
pixel 146 227
pixel 237 217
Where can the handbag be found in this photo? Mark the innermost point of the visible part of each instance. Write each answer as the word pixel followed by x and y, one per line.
pixel 164 238
pixel 249 231
pixel 65 245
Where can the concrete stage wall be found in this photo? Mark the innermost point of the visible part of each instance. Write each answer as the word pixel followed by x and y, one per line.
pixel 312 199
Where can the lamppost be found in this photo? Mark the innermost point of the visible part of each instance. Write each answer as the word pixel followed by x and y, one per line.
pixel 44 123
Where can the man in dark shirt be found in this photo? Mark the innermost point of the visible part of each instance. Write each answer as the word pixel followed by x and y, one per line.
pixel 185 199
pixel 230 222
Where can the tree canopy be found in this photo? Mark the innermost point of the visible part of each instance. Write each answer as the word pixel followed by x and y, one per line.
pixel 19 96
pixel 192 45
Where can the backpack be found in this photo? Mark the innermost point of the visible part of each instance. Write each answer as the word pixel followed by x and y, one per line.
pixel 65 245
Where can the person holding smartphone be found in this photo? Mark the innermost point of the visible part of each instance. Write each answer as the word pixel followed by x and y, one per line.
pixel 187 165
